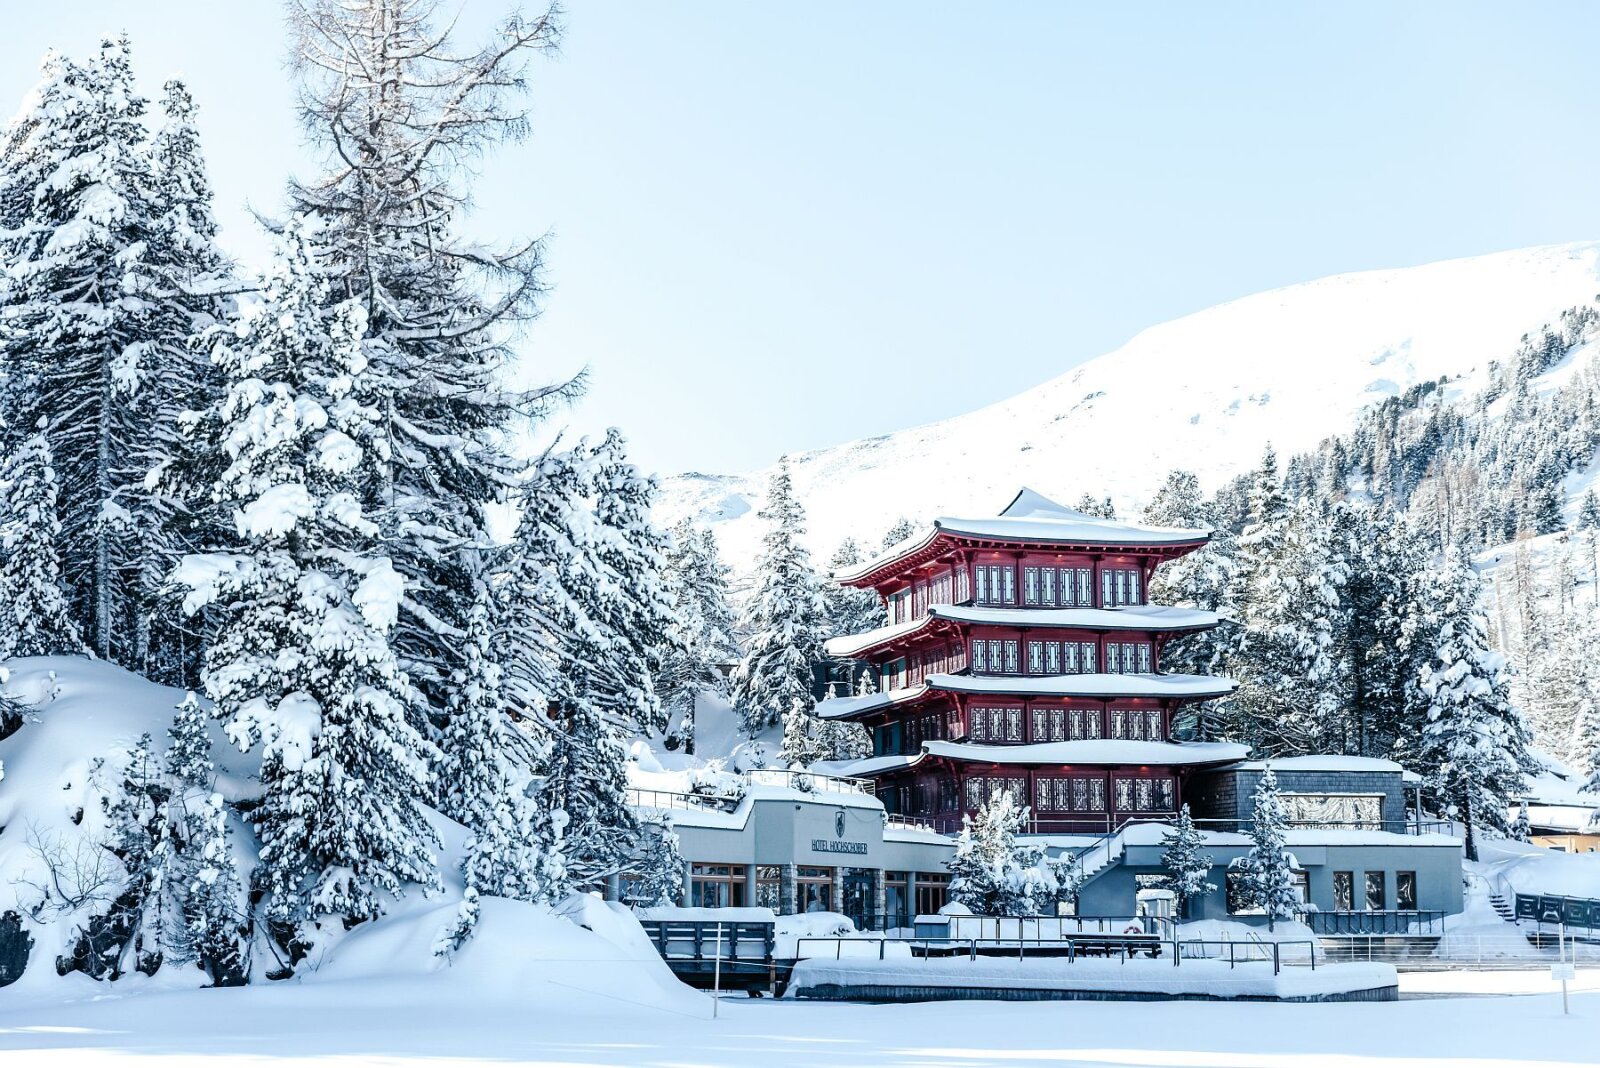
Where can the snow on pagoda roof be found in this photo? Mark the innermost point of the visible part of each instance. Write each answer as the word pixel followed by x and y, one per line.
pixel 1033 517
pixel 1320 762
pixel 1090 685
pixel 1090 751
pixel 1131 617
pixel 1087 685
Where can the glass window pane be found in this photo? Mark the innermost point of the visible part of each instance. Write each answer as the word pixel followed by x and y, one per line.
pixel 1375 897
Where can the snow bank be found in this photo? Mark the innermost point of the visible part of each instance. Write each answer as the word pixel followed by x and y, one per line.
pixel 1199 977
pixel 1531 869
pixel 82 710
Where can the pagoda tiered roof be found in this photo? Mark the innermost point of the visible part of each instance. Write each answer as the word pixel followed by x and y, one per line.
pixel 1031 519
pixel 1089 752
pixel 1145 617
pixel 1184 687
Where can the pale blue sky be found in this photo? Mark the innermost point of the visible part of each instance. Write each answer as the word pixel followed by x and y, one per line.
pixel 780 226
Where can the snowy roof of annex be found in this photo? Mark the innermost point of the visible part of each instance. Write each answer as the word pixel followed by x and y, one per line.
pixel 1033 517
pixel 1131 617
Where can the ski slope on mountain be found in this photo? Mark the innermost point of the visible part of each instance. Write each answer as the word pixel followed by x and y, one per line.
pixel 1205 392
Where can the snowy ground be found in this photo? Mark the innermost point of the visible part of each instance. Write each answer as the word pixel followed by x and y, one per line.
pixel 1511 1019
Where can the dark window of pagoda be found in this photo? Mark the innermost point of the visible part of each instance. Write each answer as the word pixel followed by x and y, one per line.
pixel 1143 794
pixel 949 801
pixel 1085 724
pixel 1137 724
pixel 1070 793
pixel 1048 725
pixel 996 584
pixel 1120 586
pixel 996 724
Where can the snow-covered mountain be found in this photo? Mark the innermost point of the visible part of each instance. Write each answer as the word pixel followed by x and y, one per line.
pixel 1204 392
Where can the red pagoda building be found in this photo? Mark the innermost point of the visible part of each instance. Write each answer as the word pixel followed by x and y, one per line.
pixel 1020 654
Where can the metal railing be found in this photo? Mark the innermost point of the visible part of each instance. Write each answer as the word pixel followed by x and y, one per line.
pixel 1406 826
pixel 642 798
pixel 1124 947
pixel 1374 922
pixel 1555 909
pixel 810 781
pixel 895 822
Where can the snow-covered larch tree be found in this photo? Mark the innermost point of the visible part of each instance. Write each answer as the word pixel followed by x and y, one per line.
pixel 399 113
pixel 34 617
pixel 301 666
pixel 784 617
pixel 1474 748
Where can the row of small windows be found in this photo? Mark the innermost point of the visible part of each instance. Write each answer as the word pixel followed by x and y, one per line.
pixel 1004 724
pixel 945 587
pixel 1001 656
pixel 996 584
pixel 1079 793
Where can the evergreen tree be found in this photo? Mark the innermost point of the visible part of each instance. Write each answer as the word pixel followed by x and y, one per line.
pixel 990 873
pixel 702 622
pixel 78 218
pixel 849 610
pixel 1101 508
pixel 784 617
pixel 1266 880
pixel 801 744
pixel 899 532
pixel 1292 672
pixel 1201 579
pixel 398 111
pixel 1186 864
pixel 569 672
pixel 191 280
pixel 204 878
pixel 301 665
pixel 660 865
pixel 33 605
pixel 1521 830
pixel 1474 746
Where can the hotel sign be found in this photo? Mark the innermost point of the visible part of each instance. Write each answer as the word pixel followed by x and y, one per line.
pixel 838 845
pixel 823 845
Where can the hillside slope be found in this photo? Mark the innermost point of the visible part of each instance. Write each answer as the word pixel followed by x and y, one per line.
pixel 1204 392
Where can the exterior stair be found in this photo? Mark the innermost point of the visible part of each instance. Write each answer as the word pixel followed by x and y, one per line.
pixel 1502 907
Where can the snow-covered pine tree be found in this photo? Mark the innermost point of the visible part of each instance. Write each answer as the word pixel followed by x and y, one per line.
pixel 701 622
pixel 1293 675
pixel 802 744
pixel 398 111
pixel 1586 740
pixel 994 876
pixel 784 617
pixel 191 283
pixel 1186 862
pixel 78 215
pixel 659 866
pixel 34 618
pixel 1474 748
pixel 1521 829
pixel 203 880
pixel 301 665
pixel 1101 507
pixel 1266 880
pixel 1202 579
pixel 471 774
pixel 897 533
pixel 558 652
pixel 849 610
pixel 631 606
